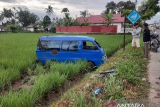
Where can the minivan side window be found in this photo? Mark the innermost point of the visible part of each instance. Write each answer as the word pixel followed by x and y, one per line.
pixel 73 46
pixel 87 45
pixel 51 45
pixel 70 45
pixel 65 45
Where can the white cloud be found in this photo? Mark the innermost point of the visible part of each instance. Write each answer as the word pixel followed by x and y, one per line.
pixel 155 19
pixel 38 6
pixel 75 6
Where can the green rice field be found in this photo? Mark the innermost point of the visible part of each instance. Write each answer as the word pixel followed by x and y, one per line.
pixel 18 60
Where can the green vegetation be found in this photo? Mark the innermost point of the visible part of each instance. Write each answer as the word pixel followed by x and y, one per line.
pixel 127 84
pixel 42 83
pixel 18 59
pixel 18 52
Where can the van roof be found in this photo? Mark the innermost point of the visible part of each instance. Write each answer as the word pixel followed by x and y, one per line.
pixel 61 37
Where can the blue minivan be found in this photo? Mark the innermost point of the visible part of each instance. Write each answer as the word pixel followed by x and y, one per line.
pixel 70 48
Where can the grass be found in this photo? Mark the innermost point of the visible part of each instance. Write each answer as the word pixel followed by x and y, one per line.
pixel 18 56
pixel 17 52
pixel 43 83
pixel 127 84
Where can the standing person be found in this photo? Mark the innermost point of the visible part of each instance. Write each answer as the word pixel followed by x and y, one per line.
pixel 136 34
pixel 146 40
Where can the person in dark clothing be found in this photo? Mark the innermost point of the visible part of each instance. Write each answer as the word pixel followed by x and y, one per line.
pixel 146 40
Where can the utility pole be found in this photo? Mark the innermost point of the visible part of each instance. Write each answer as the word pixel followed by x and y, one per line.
pixel 135 4
pixel 124 42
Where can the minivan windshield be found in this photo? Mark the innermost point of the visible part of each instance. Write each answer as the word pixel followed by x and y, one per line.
pixel 98 44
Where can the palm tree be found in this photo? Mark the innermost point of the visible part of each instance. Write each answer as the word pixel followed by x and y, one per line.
pixel 67 19
pixel 84 13
pixel 65 10
pixel 108 18
pixel 49 10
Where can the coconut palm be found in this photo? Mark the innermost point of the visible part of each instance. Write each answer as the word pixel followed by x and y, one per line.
pixel 65 10
pixel 84 13
pixel 49 10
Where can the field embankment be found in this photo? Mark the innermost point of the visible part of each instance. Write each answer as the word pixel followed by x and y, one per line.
pixel 129 82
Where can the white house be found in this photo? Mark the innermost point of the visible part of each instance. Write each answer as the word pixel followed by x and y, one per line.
pixel 29 28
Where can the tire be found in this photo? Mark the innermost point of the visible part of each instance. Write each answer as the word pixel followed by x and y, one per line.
pixel 91 65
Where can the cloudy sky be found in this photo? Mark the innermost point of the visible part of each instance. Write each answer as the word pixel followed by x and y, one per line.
pixel 74 6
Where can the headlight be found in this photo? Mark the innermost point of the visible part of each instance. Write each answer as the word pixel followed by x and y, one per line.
pixel 104 58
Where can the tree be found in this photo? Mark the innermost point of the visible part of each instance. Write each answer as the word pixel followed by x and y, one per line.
pixel 49 10
pixel 67 19
pixel 120 7
pixel 110 7
pixel 1 17
pixel 33 18
pixel 84 13
pixel 46 21
pixel 149 8
pixel 7 13
pixel 26 18
pixel 108 18
pixel 65 10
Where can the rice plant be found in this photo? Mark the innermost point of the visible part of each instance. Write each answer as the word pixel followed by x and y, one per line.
pixel 82 100
pixel 44 82
pixel 17 55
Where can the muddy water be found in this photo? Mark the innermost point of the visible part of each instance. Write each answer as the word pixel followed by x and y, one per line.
pixel 154 79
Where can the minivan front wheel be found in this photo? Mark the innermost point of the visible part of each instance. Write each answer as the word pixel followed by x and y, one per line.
pixel 91 66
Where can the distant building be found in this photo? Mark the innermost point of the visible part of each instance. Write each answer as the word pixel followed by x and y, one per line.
pixel 98 20
pixel 29 28
pixel 34 28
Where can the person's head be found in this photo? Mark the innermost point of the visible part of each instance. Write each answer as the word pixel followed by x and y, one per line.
pixel 145 25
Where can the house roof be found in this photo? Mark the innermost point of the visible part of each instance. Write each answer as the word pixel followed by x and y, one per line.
pixel 99 19
pixel 62 37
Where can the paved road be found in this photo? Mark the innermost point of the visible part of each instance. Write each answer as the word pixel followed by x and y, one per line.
pixel 154 79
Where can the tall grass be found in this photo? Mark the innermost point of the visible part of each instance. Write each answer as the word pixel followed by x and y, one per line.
pixel 17 52
pixel 130 66
pixel 70 69
pixel 43 83
pixel 80 100
pixel 112 43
